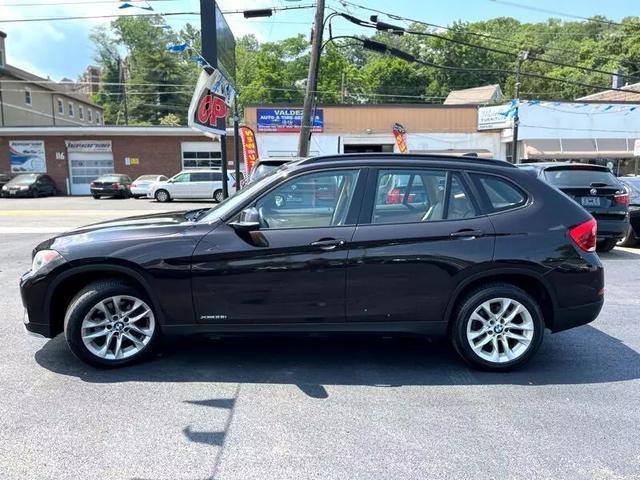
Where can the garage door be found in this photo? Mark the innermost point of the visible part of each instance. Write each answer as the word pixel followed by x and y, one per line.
pixel 87 161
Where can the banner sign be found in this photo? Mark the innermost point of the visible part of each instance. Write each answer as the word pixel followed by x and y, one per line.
pixel 287 120
pixel 27 156
pixel 250 148
pixel 88 146
pixel 494 118
pixel 210 102
pixel 401 137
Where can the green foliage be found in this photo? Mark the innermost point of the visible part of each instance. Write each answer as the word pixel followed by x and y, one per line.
pixel 276 72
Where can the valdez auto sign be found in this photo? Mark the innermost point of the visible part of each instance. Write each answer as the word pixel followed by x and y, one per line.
pixel 210 102
pixel 286 120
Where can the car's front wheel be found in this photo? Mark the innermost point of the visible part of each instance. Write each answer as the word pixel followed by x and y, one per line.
pixel 162 196
pixel 218 196
pixel 110 324
pixel 497 327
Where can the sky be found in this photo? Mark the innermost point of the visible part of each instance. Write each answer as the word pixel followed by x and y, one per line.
pixel 59 49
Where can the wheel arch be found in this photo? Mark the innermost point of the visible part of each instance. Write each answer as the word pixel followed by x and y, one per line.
pixel 532 283
pixel 68 284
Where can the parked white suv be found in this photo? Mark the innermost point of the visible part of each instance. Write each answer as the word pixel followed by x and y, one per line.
pixel 192 184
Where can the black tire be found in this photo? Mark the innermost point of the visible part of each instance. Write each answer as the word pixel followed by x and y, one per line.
pixel 217 196
pixel 606 245
pixel 97 197
pixel 160 196
pixel 629 240
pixel 462 318
pixel 81 305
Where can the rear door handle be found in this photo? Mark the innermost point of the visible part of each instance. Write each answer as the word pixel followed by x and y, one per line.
pixel 467 234
pixel 328 243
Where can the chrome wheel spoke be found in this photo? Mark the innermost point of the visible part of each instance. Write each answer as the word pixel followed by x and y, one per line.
pixel 500 330
pixel 108 332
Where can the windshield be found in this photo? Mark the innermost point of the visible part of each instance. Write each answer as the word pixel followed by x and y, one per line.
pixel 146 177
pixel 225 207
pixel 108 178
pixel 573 177
pixel 30 178
pixel 262 170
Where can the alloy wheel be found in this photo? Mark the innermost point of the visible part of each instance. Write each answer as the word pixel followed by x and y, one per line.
pixel 118 327
pixel 500 330
pixel 162 196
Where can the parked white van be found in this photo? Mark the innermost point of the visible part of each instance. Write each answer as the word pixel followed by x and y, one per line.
pixel 205 183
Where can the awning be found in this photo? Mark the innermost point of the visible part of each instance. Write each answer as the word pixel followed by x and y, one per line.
pixel 578 148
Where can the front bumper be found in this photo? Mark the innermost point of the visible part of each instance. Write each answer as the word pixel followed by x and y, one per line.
pixel 16 193
pixel 33 291
pixel 106 191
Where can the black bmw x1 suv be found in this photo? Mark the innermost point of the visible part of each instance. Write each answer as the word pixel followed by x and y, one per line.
pixel 477 250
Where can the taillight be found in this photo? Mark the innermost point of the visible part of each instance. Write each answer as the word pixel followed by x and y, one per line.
pixel 394 197
pixel 93 184
pixel 115 185
pixel 621 198
pixel 134 185
pixel 584 235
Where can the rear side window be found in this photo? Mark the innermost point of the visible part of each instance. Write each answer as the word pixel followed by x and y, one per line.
pixel 216 176
pixel 201 177
pixel 500 194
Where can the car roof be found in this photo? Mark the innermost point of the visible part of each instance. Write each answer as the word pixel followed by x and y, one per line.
pixel 411 159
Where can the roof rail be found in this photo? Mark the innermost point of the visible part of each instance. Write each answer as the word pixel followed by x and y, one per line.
pixel 466 158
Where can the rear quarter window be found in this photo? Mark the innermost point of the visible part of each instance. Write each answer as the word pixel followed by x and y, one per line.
pixel 499 194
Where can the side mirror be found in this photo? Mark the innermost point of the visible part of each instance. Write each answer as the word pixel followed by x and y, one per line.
pixel 249 220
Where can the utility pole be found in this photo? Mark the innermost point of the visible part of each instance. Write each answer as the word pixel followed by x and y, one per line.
pixel 342 88
pixel 312 81
pixel 522 56
pixel 236 143
pixel 123 82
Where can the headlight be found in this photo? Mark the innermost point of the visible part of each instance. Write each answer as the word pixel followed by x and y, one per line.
pixel 43 258
pixel 4 187
pixel 24 187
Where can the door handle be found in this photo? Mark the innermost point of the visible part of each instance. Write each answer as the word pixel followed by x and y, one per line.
pixel 467 234
pixel 328 243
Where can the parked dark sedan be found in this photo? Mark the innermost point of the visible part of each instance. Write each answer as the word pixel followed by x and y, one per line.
pixel 633 233
pixel 486 254
pixel 4 179
pixel 111 185
pixel 30 185
pixel 597 190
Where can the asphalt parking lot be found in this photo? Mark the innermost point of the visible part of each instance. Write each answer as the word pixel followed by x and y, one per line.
pixel 322 407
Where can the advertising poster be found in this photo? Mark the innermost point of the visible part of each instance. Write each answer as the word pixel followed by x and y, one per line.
pixel 286 120
pixel 27 156
pixel 400 134
pixel 250 148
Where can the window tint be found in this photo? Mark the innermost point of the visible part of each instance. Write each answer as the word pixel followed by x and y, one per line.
pixel 460 204
pixel 404 196
pixel 501 194
pixel 314 200
pixel 201 177
pixel 575 177
pixel 217 176
pixel 183 177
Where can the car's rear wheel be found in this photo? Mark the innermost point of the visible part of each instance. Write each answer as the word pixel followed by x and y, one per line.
pixel 109 323
pixel 606 245
pixel 218 196
pixel 629 240
pixel 497 327
pixel 162 196
pixel 97 197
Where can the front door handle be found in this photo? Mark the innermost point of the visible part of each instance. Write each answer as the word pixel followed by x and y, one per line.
pixel 328 243
pixel 467 234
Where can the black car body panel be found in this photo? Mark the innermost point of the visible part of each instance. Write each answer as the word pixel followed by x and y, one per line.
pixel 208 276
pixel 113 184
pixel 633 186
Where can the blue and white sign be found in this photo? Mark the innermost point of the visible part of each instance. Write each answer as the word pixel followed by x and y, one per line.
pixel 286 120
pixel 27 156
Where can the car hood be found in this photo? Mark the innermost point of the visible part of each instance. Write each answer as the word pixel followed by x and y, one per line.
pixel 105 238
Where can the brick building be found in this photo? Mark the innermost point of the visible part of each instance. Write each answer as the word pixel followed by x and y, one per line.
pixel 74 156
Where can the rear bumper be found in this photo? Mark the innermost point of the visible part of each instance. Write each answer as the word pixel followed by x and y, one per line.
pixel 612 228
pixel 107 191
pixel 140 191
pixel 566 318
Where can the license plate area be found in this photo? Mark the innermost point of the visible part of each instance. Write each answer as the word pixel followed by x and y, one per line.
pixel 590 201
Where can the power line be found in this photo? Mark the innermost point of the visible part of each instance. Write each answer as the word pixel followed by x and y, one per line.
pixel 495 50
pixel 471 33
pixel 52 19
pixel 76 2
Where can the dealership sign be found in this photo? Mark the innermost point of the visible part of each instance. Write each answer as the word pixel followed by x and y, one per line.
pixel 494 118
pixel 286 120
pixel 210 103
pixel 88 146
pixel 27 156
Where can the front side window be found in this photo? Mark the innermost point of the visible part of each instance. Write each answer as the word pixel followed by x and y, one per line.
pixel 501 194
pixel 313 200
pixel 183 177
